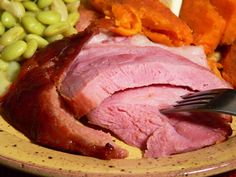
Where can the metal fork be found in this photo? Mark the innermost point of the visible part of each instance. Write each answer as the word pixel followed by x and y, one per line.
pixel 217 100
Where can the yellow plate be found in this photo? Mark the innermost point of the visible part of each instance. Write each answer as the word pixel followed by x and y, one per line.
pixel 18 152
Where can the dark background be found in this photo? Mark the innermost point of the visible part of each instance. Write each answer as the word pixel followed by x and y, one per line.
pixel 9 172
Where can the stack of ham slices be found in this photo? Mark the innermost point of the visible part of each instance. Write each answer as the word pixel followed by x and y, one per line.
pixel 117 84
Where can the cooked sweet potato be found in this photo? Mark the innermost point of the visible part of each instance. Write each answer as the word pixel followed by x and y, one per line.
pixel 215 67
pixel 160 24
pixel 206 23
pixel 229 65
pixel 227 9
pixel 150 17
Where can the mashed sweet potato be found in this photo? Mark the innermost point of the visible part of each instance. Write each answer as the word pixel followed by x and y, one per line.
pixel 229 65
pixel 206 23
pixel 227 9
pixel 151 17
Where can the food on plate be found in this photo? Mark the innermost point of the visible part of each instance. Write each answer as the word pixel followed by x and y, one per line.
pixel 87 16
pixel 215 66
pixel 149 16
pixel 56 88
pixel 111 79
pixel 213 23
pixel 229 64
pixel 92 86
pixel 227 9
pixel 38 21
pixel 8 73
pixel 45 118
pixel 27 25
pixel 133 115
pixel 205 21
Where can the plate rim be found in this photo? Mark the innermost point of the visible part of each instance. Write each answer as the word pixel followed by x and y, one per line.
pixel 37 169
pixel 40 168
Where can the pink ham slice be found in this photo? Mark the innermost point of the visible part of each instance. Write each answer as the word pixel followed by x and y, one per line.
pixel 133 115
pixel 108 66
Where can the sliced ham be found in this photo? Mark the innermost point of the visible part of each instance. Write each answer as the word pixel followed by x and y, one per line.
pixel 194 53
pixel 76 76
pixel 107 66
pixel 133 115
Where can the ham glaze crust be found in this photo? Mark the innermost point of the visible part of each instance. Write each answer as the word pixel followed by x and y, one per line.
pixel 76 76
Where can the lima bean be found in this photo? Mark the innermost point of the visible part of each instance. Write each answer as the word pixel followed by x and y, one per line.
pixel 14 50
pixel 13 70
pixel 70 31
pixel 44 21
pixel 49 17
pixel 14 7
pixel 4 83
pixel 30 13
pixel 60 7
pixel 44 3
pixel 73 7
pixel 69 1
pixel 17 9
pixel 8 20
pixel 32 46
pixel 55 38
pixel 2 28
pixel 12 35
pixel 32 25
pixel 73 18
pixel 3 65
pixel 31 6
pixel 41 41
pixel 4 4
pixel 57 28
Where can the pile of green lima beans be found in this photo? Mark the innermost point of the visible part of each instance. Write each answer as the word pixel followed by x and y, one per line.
pixel 26 26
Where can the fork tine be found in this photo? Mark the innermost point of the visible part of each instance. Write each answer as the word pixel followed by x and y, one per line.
pixel 195 102
pixel 217 100
pixel 202 97
pixel 182 108
pixel 203 93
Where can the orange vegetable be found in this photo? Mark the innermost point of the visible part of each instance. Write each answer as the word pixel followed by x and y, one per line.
pixel 150 17
pixel 215 67
pixel 229 65
pixel 160 24
pixel 227 9
pixel 127 21
pixel 206 23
